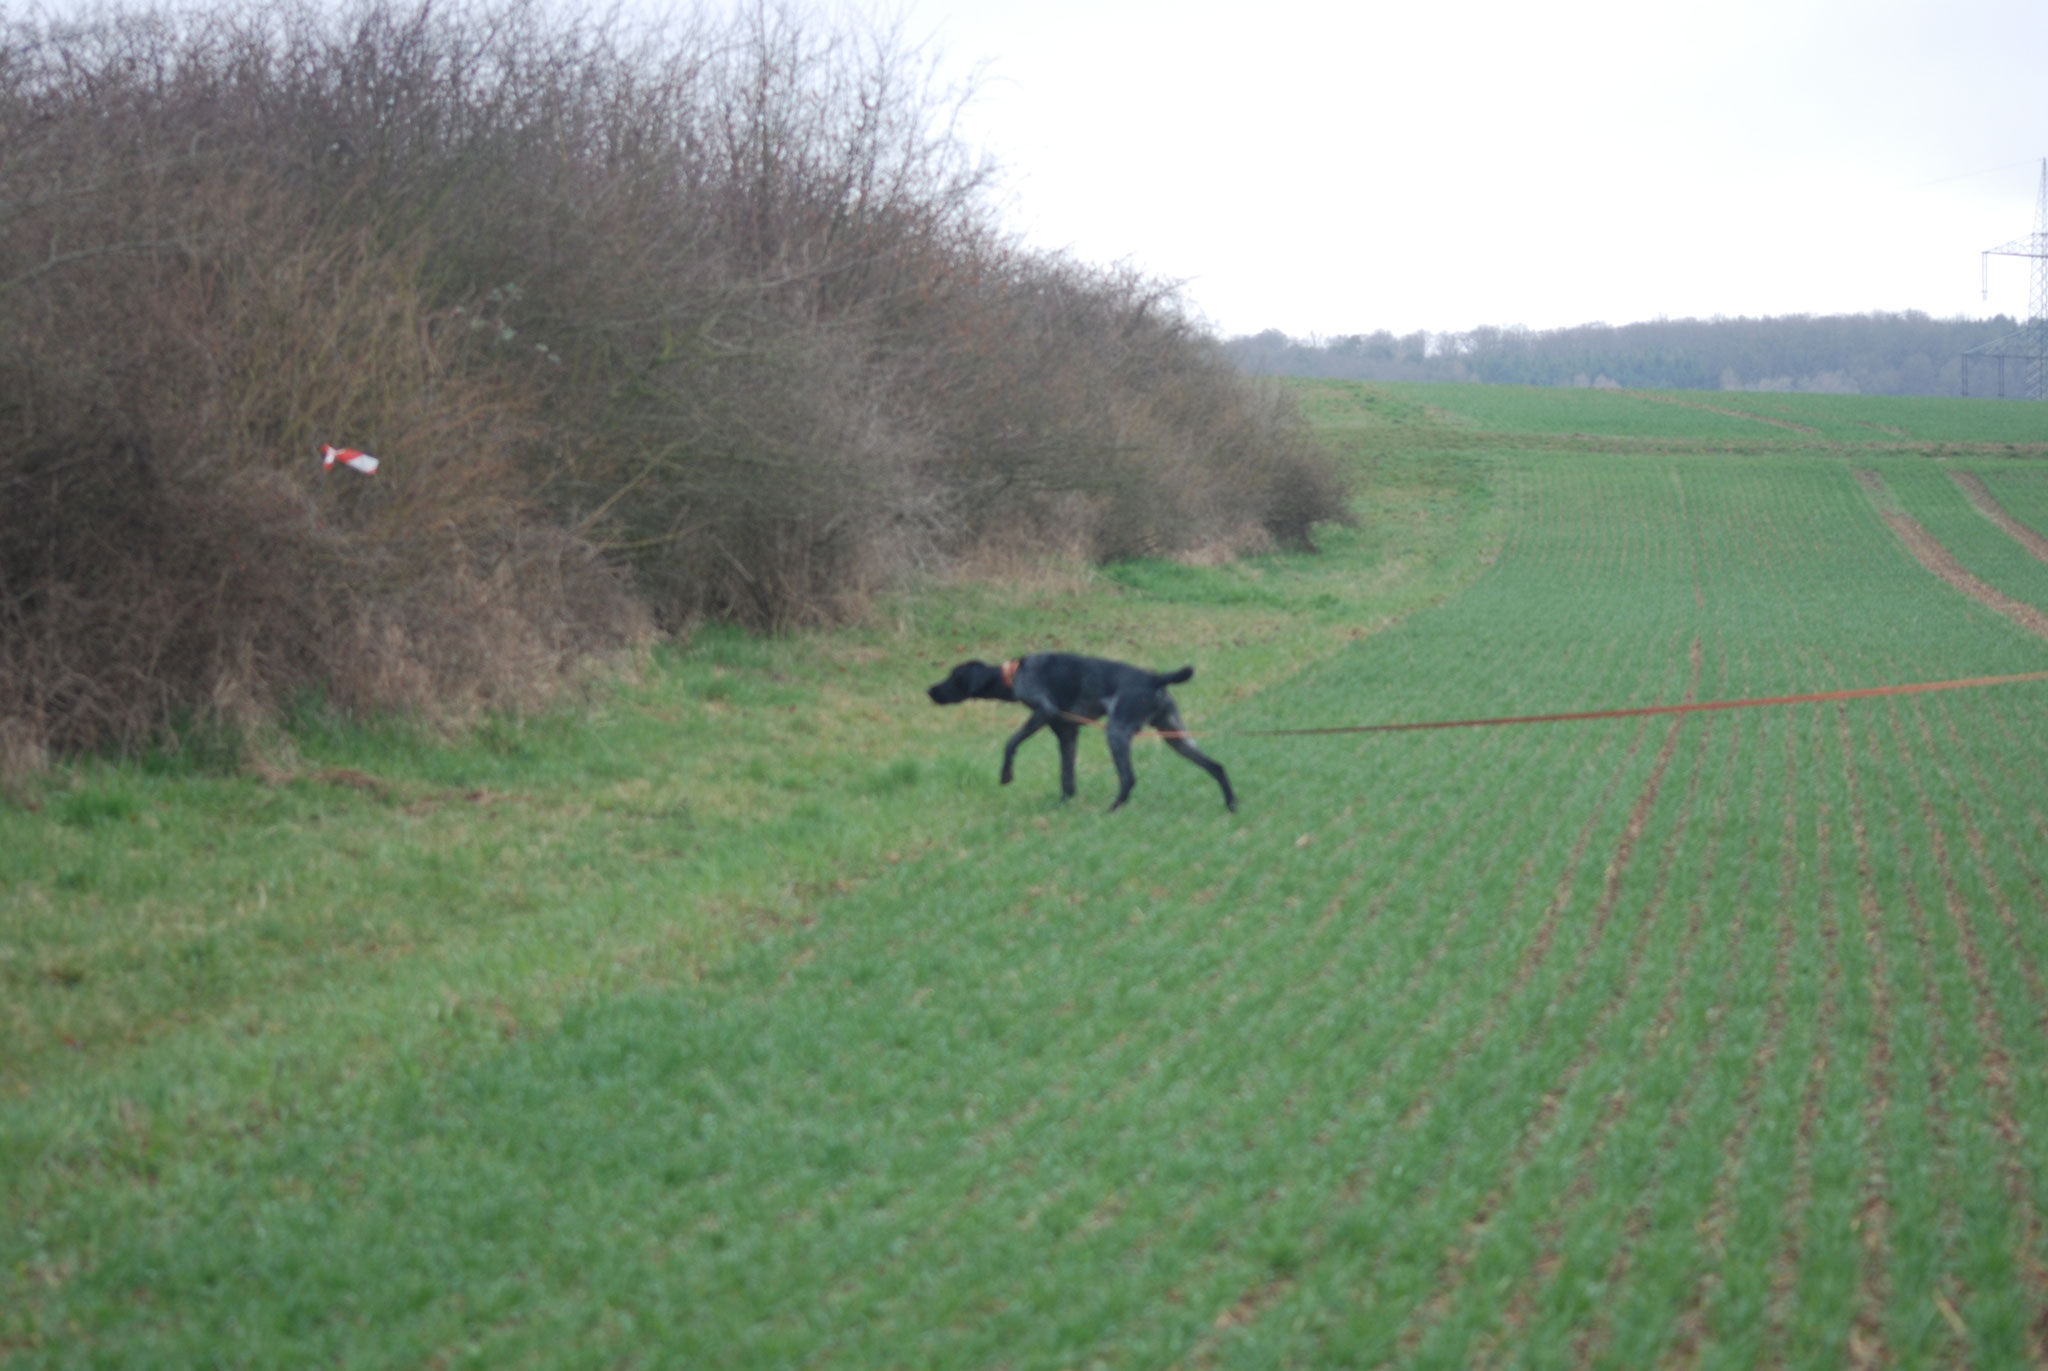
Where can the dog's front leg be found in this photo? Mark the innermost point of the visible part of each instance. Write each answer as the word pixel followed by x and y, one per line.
pixel 1069 734
pixel 1031 726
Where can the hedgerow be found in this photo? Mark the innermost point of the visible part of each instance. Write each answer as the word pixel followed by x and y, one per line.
pixel 649 326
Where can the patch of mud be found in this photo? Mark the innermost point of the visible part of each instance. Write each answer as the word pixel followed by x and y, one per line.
pixel 1939 560
pixel 1988 506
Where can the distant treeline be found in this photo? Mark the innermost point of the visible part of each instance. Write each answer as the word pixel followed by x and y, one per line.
pixel 1869 354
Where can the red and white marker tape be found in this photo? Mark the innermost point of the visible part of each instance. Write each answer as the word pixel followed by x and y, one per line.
pixel 348 457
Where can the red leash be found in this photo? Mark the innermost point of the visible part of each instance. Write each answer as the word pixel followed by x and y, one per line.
pixel 1758 702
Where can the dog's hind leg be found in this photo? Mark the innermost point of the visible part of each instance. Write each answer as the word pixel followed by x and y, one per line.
pixel 1120 732
pixel 1214 768
pixel 1168 722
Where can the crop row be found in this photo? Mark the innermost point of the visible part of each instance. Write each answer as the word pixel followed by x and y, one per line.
pixel 1714 1040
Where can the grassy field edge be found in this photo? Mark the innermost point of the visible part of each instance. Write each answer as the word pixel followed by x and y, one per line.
pixel 194 959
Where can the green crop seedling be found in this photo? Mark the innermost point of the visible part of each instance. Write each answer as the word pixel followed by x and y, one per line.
pixel 742 1020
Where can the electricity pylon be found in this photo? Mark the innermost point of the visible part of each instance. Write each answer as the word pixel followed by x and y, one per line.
pixel 2027 346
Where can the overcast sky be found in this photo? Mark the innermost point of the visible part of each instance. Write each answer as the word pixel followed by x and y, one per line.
pixel 1331 168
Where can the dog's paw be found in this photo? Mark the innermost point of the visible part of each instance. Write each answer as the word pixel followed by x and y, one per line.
pixel 1004 779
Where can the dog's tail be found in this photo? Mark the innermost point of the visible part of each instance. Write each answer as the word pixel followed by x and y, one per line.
pixel 1172 677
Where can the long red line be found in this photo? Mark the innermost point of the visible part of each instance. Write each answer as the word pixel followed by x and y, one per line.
pixel 1758 702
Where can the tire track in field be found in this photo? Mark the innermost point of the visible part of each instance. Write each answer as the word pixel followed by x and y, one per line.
pixel 1445 853
pixel 1929 552
pixel 2001 756
pixel 1723 411
pixel 1877 1288
pixel 1980 851
pixel 1592 1344
pixel 1996 1057
pixel 1867 1338
pixel 1326 966
pixel 1785 1267
pixel 1547 921
pixel 1255 1300
pixel 1940 1073
pixel 2017 742
pixel 1695 1322
pixel 1520 1304
pixel 1761 557
pixel 1987 505
pixel 1867 1341
pixel 2028 869
pixel 1867 1345
pixel 1479 1229
pixel 1411 1057
pixel 1631 838
pixel 1538 1129
pixel 2034 1259
pixel 1591 1348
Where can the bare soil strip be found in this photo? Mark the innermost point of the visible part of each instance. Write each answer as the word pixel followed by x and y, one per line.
pixel 1939 560
pixel 1592 1346
pixel 1988 506
pixel 1561 896
pixel 2013 740
pixel 1980 849
pixel 1997 1063
pixel 1940 1072
pixel 1255 1301
pixel 1591 1342
pixel 1723 410
pixel 1452 1274
pixel 1867 1346
pixel 2035 821
pixel 1786 1266
pixel 2033 1226
pixel 1695 1324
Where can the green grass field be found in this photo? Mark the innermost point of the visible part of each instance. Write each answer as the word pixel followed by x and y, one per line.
pixel 739 1019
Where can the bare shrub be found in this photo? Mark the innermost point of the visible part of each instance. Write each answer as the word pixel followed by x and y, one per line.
pixel 176 337
pixel 708 320
pixel 1070 392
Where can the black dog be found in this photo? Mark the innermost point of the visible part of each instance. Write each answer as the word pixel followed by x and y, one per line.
pixel 1063 691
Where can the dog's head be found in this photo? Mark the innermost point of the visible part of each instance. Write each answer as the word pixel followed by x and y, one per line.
pixel 971 681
